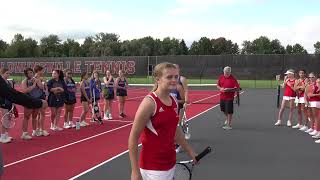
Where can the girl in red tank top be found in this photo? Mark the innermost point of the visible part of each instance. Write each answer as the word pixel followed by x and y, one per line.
pixel 156 123
pixel 288 97
pixel 313 94
pixel 299 87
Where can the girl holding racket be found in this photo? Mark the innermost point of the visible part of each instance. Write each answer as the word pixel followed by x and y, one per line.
pixel 95 88
pixel 300 86
pixel 121 85
pixel 309 87
pixel 108 94
pixel 288 97
pixel 70 100
pixel 85 98
pixel 156 123
pixel 5 107
pixel 56 88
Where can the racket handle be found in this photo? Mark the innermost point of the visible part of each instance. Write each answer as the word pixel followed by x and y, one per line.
pixel 203 153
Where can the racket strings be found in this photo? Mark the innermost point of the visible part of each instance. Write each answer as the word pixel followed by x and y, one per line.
pixel 182 172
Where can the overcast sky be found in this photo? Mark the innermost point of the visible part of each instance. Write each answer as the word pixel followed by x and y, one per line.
pixel 290 21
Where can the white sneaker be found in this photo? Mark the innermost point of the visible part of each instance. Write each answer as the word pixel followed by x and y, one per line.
pixel 278 123
pixel 66 125
pixel 304 128
pixel 52 127
pixel 313 133
pixel 317 141
pixel 7 135
pixel 289 123
pixel 105 117
pixel 317 136
pixel 4 139
pixel 309 130
pixel 25 136
pixel 71 124
pixel 44 133
pixel 225 122
pixel 227 127
pixel 56 128
pixel 298 126
pixel 83 124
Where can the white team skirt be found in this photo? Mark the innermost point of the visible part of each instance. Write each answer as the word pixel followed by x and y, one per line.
pixel 157 175
pixel 314 104
pixel 287 98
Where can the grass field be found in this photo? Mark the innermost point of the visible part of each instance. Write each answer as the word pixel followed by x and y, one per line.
pixel 149 80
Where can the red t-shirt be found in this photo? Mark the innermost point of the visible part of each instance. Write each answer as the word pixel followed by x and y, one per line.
pixel 315 90
pixel 158 150
pixel 288 91
pixel 301 83
pixel 227 82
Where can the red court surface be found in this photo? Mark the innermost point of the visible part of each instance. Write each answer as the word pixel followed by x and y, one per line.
pixel 67 153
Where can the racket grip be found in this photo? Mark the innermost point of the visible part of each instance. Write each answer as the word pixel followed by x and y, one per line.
pixel 203 153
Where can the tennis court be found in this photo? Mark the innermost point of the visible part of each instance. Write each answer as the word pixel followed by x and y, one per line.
pixel 68 153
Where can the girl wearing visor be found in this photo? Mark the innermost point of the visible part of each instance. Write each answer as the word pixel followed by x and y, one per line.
pixel 288 96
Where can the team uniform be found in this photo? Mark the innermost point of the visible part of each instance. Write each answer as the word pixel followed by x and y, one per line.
pixel 108 90
pixel 300 93
pixel 226 98
pixel 56 100
pixel 122 83
pixel 95 87
pixel 158 155
pixel 35 92
pixel 87 90
pixel 289 93
pixel 314 102
pixel 4 102
pixel 70 93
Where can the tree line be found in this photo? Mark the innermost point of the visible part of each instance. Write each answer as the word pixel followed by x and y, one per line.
pixel 109 44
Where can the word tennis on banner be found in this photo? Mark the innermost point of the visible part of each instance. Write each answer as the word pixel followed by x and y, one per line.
pixel 77 67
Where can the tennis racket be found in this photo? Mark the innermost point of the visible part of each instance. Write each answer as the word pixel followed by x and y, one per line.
pixel 8 120
pixel 96 109
pixel 278 91
pixel 183 169
pixel 185 124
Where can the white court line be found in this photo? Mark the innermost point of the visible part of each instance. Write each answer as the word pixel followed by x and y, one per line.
pixel 124 152
pixel 88 138
pixel 205 98
pixel 64 146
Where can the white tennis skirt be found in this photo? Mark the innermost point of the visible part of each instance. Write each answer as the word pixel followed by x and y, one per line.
pixel 301 100
pixel 287 98
pixel 314 104
pixel 157 175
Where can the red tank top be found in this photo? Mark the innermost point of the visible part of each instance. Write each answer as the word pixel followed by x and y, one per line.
pixel 158 151
pixel 315 90
pixel 288 91
pixel 301 83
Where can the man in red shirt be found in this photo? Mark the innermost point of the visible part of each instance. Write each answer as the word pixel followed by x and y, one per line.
pixel 227 85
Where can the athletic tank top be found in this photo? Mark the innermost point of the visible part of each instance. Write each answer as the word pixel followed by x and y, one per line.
pixel 122 83
pixel 86 88
pixel 315 90
pixel 71 87
pixel 35 92
pixel 301 83
pixel 288 91
pixel 157 138
pixel 111 83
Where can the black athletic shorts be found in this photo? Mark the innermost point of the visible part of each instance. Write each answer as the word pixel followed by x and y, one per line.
pixel 226 106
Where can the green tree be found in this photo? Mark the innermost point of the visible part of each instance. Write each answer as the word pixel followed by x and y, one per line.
pixel 3 47
pixel 51 46
pixel 298 49
pixel 88 47
pixel 194 48
pixel 223 46
pixel 21 47
pixel 107 44
pixel 276 47
pixel 71 48
pixel 289 49
pixel 183 47
pixel 261 45
pixel 246 48
pixel 317 47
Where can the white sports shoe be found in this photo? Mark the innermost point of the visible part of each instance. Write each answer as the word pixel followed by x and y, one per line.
pixel 25 136
pixel 71 124
pixel 83 123
pixel 313 133
pixel 317 136
pixel 278 123
pixel 309 130
pixel 304 128
pixel 4 139
pixel 227 127
pixel 289 123
pixel 317 141
pixel 66 125
pixel 110 116
pixel 298 126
